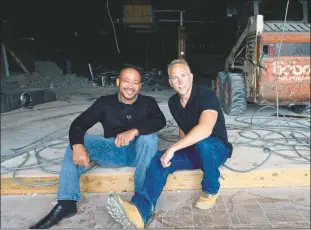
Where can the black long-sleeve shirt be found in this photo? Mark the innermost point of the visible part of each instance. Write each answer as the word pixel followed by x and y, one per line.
pixel 145 115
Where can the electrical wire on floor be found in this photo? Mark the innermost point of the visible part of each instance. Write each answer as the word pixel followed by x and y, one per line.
pixel 53 140
pixel 252 131
pixel 256 132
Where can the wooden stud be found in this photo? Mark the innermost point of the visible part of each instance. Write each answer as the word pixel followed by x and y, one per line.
pixel 181 180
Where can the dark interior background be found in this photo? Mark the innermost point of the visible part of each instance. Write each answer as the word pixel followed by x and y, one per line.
pixel 81 31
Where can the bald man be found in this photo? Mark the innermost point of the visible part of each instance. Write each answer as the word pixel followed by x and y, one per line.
pixel 130 121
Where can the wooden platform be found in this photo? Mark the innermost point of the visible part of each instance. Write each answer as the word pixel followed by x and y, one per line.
pixel 181 180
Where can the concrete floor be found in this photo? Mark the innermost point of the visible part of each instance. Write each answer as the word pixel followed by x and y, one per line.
pixel 264 208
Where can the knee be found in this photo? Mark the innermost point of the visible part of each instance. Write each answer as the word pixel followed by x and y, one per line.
pixel 204 146
pixel 156 168
pixel 151 139
pixel 155 162
pixel 97 141
pixel 89 140
pixel 157 156
pixel 68 152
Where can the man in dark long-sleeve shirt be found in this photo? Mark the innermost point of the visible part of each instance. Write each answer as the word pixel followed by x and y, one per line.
pixel 116 117
pixel 130 121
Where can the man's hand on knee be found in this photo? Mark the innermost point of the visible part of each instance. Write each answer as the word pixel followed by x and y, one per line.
pixel 80 155
pixel 126 137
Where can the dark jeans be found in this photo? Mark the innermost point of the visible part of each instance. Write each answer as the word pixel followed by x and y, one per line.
pixel 207 155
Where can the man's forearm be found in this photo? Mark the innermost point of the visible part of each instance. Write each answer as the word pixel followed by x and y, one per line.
pixel 196 134
pixel 76 133
pixel 84 121
pixel 152 126
pixel 77 146
pixel 181 134
pixel 154 121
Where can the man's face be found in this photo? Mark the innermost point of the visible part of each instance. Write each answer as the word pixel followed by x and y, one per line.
pixel 180 79
pixel 129 83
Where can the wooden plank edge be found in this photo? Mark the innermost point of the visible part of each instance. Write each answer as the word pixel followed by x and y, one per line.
pixel 181 180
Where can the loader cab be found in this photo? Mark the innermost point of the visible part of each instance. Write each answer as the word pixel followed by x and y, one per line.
pixel 285 56
pixel 275 10
pixel 269 63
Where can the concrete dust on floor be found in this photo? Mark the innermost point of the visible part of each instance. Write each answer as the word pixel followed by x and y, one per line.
pixel 236 208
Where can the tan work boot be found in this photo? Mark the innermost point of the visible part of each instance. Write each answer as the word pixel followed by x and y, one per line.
pixel 206 201
pixel 124 212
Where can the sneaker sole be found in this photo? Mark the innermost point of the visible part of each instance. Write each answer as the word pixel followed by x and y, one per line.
pixel 117 212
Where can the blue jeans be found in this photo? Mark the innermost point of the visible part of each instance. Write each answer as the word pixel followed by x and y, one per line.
pixel 207 155
pixel 105 153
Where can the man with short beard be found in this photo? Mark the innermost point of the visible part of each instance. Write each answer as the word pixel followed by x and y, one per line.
pixel 203 145
pixel 130 121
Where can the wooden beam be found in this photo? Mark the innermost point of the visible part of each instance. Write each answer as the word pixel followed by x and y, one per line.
pixel 181 180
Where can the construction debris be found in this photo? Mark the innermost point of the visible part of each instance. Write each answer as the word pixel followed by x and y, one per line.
pixel 153 79
pixel 47 75
pixel 35 80
pixel 48 69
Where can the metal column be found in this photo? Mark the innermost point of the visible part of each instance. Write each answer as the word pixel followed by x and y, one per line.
pixel 181 38
pixel 181 42
pixel 256 6
pixel 304 4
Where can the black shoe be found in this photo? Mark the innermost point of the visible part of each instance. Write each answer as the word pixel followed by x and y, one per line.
pixel 55 216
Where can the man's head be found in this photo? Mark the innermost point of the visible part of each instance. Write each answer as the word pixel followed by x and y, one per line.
pixel 180 76
pixel 129 83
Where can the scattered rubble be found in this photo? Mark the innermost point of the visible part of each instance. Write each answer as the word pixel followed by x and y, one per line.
pixel 47 75
pixel 48 69
pixel 35 80
pixel 153 79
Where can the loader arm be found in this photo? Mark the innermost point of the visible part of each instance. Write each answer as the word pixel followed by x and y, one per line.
pixel 255 24
pixel 230 59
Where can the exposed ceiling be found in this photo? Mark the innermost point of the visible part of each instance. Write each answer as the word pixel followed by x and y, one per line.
pixel 77 15
pixel 47 17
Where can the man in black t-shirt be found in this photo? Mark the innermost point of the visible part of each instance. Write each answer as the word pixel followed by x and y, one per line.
pixel 203 145
pixel 130 121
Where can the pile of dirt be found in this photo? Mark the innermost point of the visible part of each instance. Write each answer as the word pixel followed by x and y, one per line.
pixel 47 75
pixel 48 69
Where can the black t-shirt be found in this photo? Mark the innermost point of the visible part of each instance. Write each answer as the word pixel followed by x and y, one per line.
pixel 201 99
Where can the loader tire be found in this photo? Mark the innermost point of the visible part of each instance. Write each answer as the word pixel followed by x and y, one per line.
pixel 301 109
pixel 219 87
pixel 235 94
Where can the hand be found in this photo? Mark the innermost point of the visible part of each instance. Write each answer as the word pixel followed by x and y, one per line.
pixel 124 138
pixel 166 157
pixel 80 155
